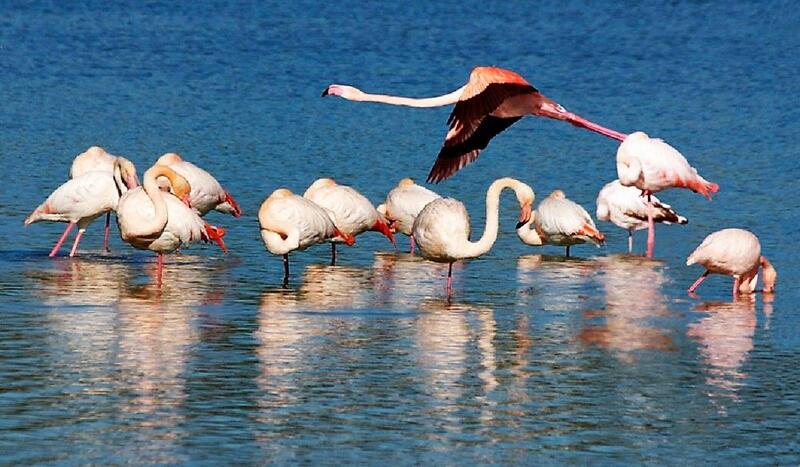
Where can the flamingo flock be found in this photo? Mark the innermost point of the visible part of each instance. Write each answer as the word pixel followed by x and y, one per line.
pixel 165 212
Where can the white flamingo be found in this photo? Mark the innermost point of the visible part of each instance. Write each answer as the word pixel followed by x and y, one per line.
pixel 84 198
pixel 737 253
pixel 442 228
pixel 290 222
pixel 93 159
pixel 652 165
pixel 559 221
pixel 151 219
pixel 403 204
pixel 626 208
pixel 207 193
pixel 352 213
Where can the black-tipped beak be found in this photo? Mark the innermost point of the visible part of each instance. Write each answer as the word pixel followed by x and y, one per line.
pixel 325 92
pixel 520 224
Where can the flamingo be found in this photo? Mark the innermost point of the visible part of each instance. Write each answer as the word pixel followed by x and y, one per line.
pixel 442 227
pixel 492 100
pixel 737 253
pixel 652 165
pixel 403 204
pixel 94 158
pixel 151 219
pixel 559 221
pixel 207 193
pixel 626 208
pixel 290 222
pixel 84 198
pixel 352 213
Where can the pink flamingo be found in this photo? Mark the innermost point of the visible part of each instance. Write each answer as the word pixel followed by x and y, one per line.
pixel 492 100
pixel 626 208
pixel 737 253
pixel 559 221
pixel 207 193
pixel 403 204
pixel 93 159
pixel 652 165
pixel 352 213
pixel 84 198
pixel 155 220
pixel 290 222
pixel 442 227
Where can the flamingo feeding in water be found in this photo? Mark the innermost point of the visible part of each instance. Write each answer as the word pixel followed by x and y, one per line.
pixel 559 221
pixel 652 165
pixel 84 198
pixel 352 213
pixel 737 253
pixel 442 228
pixel 626 208
pixel 403 204
pixel 290 222
pixel 151 219
pixel 93 159
pixel 492 100
pixel 207 193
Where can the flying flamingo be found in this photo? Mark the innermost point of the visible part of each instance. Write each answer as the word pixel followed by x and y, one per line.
pixel 559 221
pixel 492 100
pixel 151 219
pixel 737 253
pixel 207 193
pixel 442 227
pixel 403 204
pixel 84 198
pixel 626 208
pixel 290 222
pixel 352 213
pixel 93 159
pixel 652 165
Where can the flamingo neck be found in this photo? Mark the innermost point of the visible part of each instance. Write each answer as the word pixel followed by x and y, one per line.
pixel 437 101
pixel 529 235
pixel 278 244
pixel 475 249
pixel 157 223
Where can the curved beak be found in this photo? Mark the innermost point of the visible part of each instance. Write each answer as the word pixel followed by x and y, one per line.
pixel 524 214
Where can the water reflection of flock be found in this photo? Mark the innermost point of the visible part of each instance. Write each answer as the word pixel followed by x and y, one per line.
pixel 147 332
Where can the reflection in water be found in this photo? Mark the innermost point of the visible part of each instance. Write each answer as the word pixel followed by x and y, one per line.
pixel 404 280
pixel 632 287
pixel 556 281
pixel 83 281
pixel 725 336
pixel 323 287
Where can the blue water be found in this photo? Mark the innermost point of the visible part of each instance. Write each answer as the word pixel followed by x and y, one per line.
pixel 602 358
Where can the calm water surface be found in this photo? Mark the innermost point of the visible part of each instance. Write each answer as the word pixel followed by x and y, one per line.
pixel 600 358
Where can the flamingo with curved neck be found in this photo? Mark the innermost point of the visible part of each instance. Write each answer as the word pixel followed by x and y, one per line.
pixel 442 227
pixel 152 219
pixel 492 100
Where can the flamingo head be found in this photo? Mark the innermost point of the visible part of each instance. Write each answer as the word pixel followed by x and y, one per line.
pixel 125 174
pixel 345 92
pixel 525 196
pixel 770 275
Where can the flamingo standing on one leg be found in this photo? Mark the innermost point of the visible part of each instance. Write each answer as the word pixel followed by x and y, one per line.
pixel 151 219
pixel 626 208
pixel 652 165
pixel 83 199
pixel 442 227
pixel 207 193
pixel 559 221
pixel 290 222
pixel 737 253
pixel 93 159
pixel 492 100
pixel 403 204
pixel 352 212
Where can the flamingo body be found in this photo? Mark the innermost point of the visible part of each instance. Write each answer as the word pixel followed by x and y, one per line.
pixel 183 225
pixel 560 221
pixel 492 100
pixel 404 203
pixel 736 253
pixel 93 159
pixel 290 222
pixel 207 193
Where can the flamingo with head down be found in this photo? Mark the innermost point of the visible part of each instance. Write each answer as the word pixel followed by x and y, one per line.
pixel 492 100
pixel 93 159
pixel 403 204
pixel 207 193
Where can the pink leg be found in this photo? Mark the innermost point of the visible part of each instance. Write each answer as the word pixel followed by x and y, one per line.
pixel 77 240
pixel 107 232
pixel 159 268
pixel 651 228
pixel 61 240
pixel 697 282
pixel 412 245
pixel 736 283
